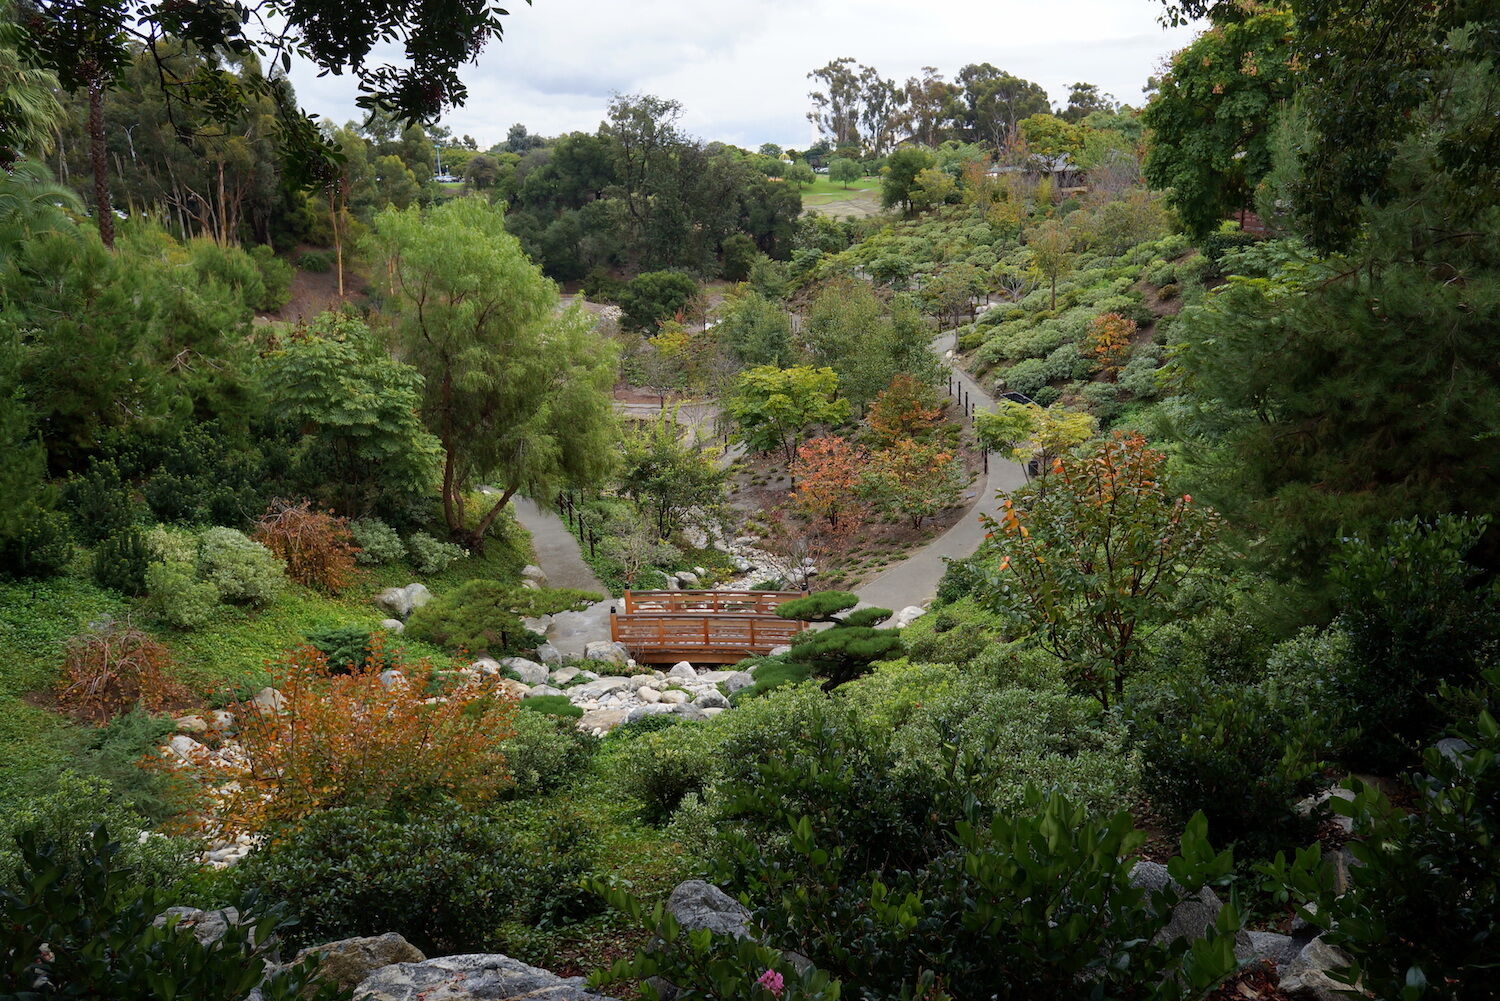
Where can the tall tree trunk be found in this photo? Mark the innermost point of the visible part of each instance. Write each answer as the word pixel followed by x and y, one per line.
pixel 100 161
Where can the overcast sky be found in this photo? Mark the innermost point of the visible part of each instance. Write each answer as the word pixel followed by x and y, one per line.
pixel 740 69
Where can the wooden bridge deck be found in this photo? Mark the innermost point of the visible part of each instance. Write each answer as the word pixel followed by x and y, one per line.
pixel 705 627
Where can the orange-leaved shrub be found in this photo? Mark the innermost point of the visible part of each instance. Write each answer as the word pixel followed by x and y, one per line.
pixel 316 546
pixel 357 739
pixel 113 668
pixel 1108 343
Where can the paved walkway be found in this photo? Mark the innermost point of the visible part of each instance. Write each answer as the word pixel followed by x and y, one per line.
pixel 558 555
pixel 914 580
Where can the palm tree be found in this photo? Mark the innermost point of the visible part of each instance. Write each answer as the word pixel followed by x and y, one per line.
pixel 29 109
pixel 31 202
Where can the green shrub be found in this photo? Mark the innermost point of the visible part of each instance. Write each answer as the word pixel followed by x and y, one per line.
pixel 166 544
pixel 429 556
pixel 378 542
pixel 1417 617
pixel 643 726
pixel 1047 395
pixel 120 562
pixel 1102 399
pixel 276 277
pixel 664 767
pixel 317 261
pixel 84 924
pixel 67 813
pixel 1138 377
pixel 1026 377
pixel 1231 755
pixel 241 570
pixel 443 878
pixel 487 616
pixel 200 475
pixel 39 543
pixel 552 705
pixel 349 648
pixel 544 752
pixel 177 597
pixel 1418 909
pixel 99 502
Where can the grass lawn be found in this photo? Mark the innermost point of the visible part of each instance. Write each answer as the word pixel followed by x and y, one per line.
pixel 824 186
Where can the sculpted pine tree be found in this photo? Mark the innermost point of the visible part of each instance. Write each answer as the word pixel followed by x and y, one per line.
pixel 516 392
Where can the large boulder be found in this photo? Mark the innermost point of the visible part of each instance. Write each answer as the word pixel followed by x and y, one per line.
pixel 549 654
pixel 207 926
pixel 1195 912
pixel 527 671
pixel 599 688
pixel 533 572
pixel 737 681
pixel 606 652
pixel 649 709
pixel 682 669
pixel 393 625
pixel 1273 947
pixel 696 904
pixel 601 721
pixel 350 961
pixel 711 700
pixel 268 700
pixel 470 978
pixel 402 601
pixel 905 617
pixel 1306 976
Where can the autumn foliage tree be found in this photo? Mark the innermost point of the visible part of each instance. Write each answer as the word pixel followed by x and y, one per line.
pixel 906 408
pixel 1108 343
pixel 914 479
pixel 1093 562
pixel 827 475
pixel 356 739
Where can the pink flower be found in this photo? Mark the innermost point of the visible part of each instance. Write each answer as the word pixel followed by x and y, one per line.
pixel 772 981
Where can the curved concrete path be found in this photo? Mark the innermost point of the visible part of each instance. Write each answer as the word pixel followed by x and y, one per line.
pixel 558 555
pixel 914 580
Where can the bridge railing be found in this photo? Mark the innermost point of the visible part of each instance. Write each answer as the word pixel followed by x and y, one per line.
pixel 745 602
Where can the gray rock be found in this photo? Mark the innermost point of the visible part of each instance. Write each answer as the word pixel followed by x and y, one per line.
pixel 1455 749
pixel 350 961
pixel 1305 976
pixel 648 695
pixel 268 700
pixel 207 926
pixel 711 700
pixel 687 580
pixel 1267 945
pixel 682 669
pixel 470 978
pixel 696 904
pixel 563 675
pixel 1194 914
pixel 738 680
pixel 606 652
pixel 533 572
pixel 1192 918
pixel 402 601
pixel 650 709
pixel 549 654
pixel 905 617
pixel 528 671
pixel 588 675
pixel 690 712
pixel 601 721
pixel 191 724
pixel 486 665
pixel 540 690
pixel 391 679
pixel 777 651
pixel 186 749
pixel 674 696
pixel 600 688
pixel 393 625
pixel 1151 875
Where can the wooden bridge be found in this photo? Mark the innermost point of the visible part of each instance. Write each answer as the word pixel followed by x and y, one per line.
pixel 705 627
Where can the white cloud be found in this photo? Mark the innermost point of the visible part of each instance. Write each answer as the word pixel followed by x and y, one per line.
pixel 739 69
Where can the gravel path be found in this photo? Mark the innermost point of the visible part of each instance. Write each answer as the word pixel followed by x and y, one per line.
pixel 914 580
